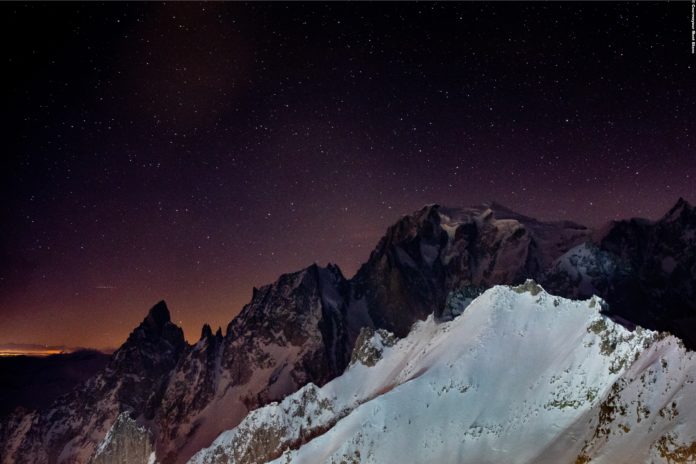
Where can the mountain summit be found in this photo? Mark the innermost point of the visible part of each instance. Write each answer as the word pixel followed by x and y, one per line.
pixel 303 329
pixel 520 376
pixel 158 316
pixel 133 381
pixel 427 254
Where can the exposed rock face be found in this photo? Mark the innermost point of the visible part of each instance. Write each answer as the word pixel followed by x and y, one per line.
pixel 125 443
pixel 458 300
pixel 306 309
pixel 291 333
pixel 660 293
pixel 302 329
pixel 134 380
pixel 425 256
pixel 190 389
pixel 645 270
pixel 370 346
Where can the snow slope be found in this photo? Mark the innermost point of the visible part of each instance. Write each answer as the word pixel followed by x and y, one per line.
pixel 520 376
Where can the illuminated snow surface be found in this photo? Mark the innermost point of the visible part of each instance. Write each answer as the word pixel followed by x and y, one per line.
pixel 521 376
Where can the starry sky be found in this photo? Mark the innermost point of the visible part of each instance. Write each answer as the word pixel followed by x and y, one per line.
pixel 189 152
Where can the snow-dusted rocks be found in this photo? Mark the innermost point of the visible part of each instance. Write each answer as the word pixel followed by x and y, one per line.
pixel 370 346
pixel 291 333
pixel 308 326
pixel 125 443
pixel 267 432
pixel 520 376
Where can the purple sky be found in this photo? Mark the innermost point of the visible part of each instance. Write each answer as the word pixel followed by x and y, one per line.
pixel 188 152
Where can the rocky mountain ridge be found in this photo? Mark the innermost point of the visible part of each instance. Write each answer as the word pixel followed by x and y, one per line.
pixel 646 270
pixel 133 381
pixel 569 385
pixel 302 329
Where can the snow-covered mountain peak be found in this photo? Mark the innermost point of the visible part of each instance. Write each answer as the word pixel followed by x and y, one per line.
pixel 520 376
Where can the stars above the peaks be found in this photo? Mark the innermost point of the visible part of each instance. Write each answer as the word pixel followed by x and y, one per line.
pixel 191 152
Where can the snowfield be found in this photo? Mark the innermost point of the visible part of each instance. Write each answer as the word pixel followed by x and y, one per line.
pixel 521 376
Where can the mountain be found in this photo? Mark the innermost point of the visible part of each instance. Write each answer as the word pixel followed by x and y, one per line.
pixel 175 399
pixel 426 255
pixel 646 270
pixel 520 376
pixel 291 333
pixel 134 380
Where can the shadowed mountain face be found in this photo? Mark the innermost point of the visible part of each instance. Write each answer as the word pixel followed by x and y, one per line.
pixel 293 331
pixel 425 256
pixel 645 270
pixel 302 328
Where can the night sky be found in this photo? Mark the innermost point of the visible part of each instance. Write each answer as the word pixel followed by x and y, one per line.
pixel 188 152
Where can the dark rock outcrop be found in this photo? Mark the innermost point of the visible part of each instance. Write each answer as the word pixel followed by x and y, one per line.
pixel 133 381
pixel 645 270
pixel 424 256
pixel 125 443
pixel 292 332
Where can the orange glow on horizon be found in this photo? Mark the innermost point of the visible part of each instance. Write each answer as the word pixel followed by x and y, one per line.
pixel 4 353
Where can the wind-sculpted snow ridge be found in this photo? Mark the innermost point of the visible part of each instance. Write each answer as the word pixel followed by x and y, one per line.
pixel 521 376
